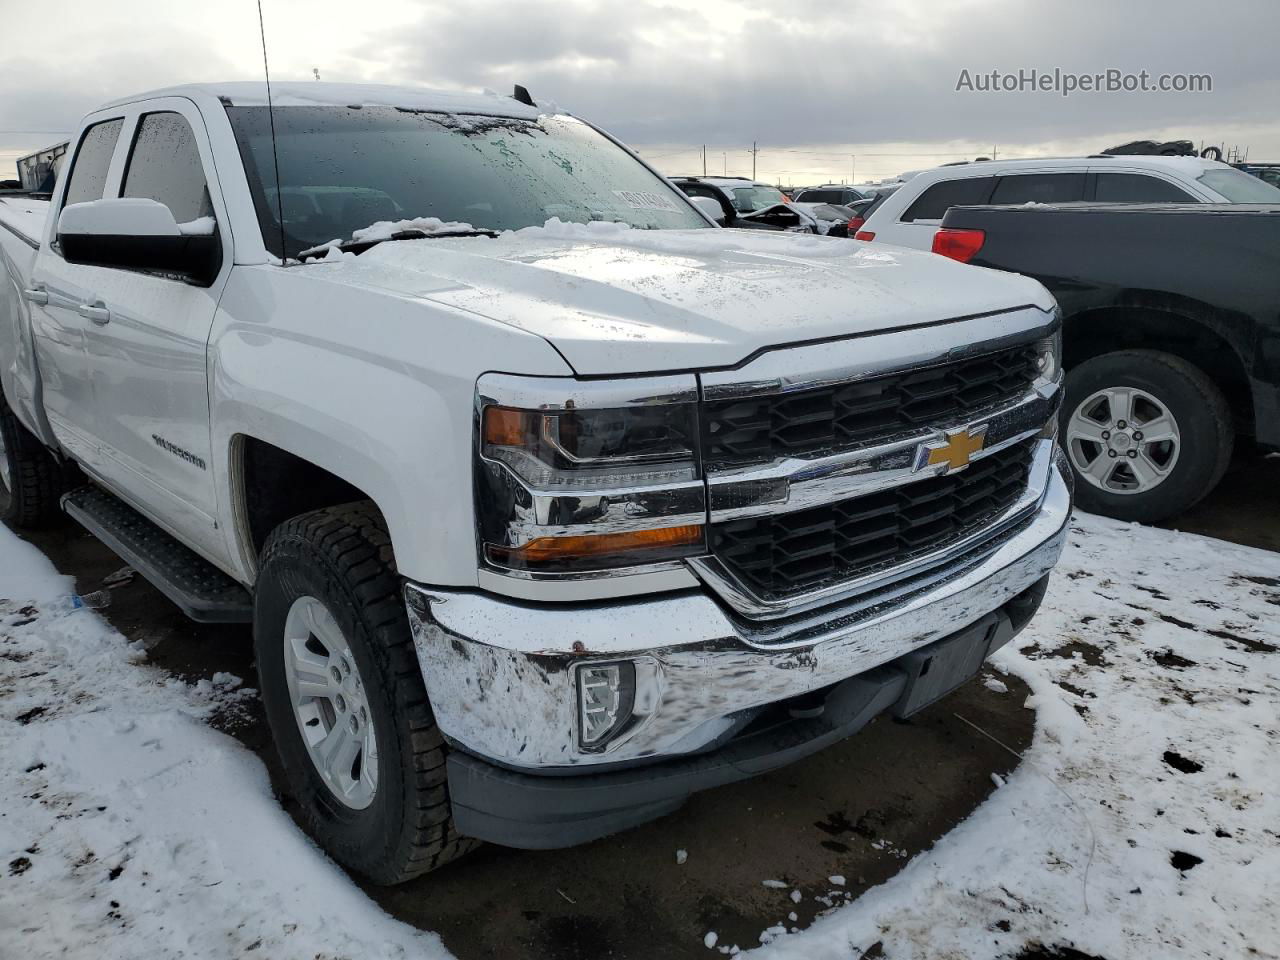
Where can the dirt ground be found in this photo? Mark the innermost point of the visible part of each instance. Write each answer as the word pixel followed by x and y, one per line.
pixel 858 810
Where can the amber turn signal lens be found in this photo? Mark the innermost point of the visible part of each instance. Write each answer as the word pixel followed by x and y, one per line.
pixel 546 551
pixel 504 427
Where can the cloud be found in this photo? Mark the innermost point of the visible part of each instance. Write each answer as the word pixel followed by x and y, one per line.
pixel 787 73
pixel 816 72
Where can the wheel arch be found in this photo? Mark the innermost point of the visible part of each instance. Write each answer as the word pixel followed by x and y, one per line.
pixel 270 483
pixel 1188 329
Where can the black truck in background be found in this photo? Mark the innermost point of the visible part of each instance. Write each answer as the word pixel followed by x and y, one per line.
pixel 1171 336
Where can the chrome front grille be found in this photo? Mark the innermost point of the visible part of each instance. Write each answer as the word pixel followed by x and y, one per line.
pixel 777 556
pixel 758 429
pixel 858 468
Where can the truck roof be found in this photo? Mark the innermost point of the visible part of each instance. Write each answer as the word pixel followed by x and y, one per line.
pixel 1092 160
pixel 248 93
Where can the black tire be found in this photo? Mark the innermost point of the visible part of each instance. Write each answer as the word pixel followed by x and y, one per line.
pixel 30 498
pixel 1203 417
pixel 342 557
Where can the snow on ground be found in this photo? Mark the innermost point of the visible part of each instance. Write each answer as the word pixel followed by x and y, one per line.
pixel 128 827
pixel 1143 822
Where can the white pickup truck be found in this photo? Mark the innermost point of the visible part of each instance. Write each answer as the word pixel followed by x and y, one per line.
pixel 550 502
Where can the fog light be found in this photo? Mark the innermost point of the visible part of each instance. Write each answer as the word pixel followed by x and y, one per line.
pixel 606 695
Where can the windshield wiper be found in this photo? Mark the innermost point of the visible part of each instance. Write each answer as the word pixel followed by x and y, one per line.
pixel 360 246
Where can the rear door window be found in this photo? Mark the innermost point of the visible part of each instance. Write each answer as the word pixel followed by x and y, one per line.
pixel 1239 187
pixel 89 172
pixel 165 166
pixel 1138 188
pixel 1039 188
pixel 941 197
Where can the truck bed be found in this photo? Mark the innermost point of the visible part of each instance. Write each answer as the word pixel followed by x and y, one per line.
pixel 24 217
pixel 1227 255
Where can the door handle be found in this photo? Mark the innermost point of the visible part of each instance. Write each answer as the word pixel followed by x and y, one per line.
pixel 36 294
pixel 95 312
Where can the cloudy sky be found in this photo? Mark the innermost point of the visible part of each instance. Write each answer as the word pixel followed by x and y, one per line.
pixel 830 90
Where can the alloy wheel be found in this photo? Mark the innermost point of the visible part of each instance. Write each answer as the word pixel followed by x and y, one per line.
pixel 330 704
pixel 1123 440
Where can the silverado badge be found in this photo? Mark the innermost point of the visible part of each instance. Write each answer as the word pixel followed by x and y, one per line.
pixel 955 451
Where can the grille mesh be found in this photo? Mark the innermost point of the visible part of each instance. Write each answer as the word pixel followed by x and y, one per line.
pixel 781 555
pixel 760 429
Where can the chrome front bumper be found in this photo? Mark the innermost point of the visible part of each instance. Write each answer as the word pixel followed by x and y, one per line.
pixel 501 680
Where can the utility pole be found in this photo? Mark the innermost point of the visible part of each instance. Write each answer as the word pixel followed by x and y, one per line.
pixel 725 157
pixel 704 159
pixel 853 169
pixel 993 152
pixel 754 151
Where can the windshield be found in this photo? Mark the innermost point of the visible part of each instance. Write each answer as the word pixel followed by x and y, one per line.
pixel 1239 187
pixel 345 168
pixel 750 199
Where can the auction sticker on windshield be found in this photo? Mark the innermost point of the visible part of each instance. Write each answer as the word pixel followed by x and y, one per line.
pixel 643 200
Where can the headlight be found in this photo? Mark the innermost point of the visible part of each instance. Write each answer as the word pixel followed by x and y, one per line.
pixel 582 476
pixel 538 445
pixel 1049 358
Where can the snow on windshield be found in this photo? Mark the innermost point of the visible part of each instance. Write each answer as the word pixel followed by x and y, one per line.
pixel 346 169
pixel 694 243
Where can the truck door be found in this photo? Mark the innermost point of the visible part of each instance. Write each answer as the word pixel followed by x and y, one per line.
pixel 56 292
pixel 145 334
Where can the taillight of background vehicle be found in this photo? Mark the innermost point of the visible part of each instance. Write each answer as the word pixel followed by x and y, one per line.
pixel 855 224
pixel 962 245
pixel 864 234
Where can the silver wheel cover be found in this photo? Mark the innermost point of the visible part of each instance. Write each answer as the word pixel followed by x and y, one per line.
pixel 1123 440
pixel 328 698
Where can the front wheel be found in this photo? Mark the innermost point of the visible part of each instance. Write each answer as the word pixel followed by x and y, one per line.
pixel 345 699
pixel 1147 433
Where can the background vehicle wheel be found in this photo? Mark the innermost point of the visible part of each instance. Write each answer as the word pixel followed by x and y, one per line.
pixel 345 699
pixel 1147 433
pixel 30 478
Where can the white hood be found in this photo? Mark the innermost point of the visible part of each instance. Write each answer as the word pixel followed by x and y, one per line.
pixel 619 301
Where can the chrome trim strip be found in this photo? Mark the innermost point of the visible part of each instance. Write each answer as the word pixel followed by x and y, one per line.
pixel 788 369
pixel 599 585
pixel 592 510
pixel 720 579
pixel 566 393
pixel 797 483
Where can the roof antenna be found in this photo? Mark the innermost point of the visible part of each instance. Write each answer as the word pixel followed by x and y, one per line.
pixel 275 157
pixel 521 94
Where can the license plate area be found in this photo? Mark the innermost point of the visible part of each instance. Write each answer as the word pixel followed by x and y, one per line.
pixel 939 668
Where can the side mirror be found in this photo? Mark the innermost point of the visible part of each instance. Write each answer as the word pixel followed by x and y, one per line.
pixel 135 233
pixel 711 207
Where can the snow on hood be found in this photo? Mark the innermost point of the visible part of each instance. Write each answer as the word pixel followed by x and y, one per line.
pixel 614 300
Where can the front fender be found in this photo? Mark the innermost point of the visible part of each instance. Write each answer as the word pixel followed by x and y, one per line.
pixel 376 388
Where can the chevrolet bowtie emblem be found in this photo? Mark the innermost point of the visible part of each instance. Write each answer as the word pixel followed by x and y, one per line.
pixel 955 451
